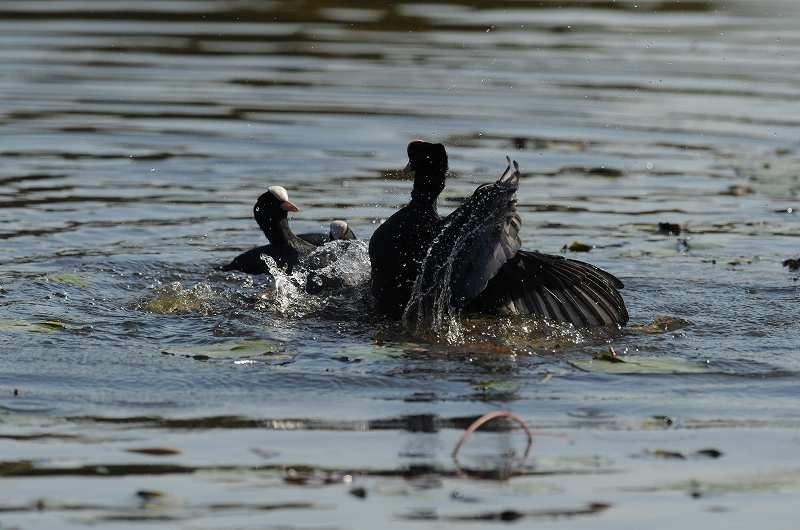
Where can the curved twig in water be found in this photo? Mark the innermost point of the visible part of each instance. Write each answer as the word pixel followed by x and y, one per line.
pixel 486 418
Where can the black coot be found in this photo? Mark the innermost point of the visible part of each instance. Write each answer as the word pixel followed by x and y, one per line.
pixel 271 213
pixel 399 245
pixel 338 230
pixel 472 263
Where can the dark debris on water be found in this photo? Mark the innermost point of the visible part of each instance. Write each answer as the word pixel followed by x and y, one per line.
pixel 671 229
pixel 510 515
pixel 668 454
pixel 793 264
pixel 154 451
pixel 577 246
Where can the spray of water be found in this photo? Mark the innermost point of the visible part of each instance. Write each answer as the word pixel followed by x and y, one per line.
pixel 334 268
pixel 430 311
pixel 286 297
pixel 338 265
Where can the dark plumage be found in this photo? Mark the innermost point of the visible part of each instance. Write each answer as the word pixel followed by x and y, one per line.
pixel 471 262
pixel 399 245
pixel 271 213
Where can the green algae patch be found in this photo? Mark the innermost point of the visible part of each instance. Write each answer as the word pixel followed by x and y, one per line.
pixel 367 352
pixel 51 325
pixel 42 326
pixel 256 347
pixel 661 324
pixel 68 278
pixel 639 366
pixel 168 304
pixel 495 388
pixel 578 246
pixel 174 298
pixel 243 349
pixel 788 481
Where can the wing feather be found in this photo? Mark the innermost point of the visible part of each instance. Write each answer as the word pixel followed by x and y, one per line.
pixel 555 288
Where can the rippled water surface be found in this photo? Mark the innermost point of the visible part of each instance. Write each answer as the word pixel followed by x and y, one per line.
pixel 138 384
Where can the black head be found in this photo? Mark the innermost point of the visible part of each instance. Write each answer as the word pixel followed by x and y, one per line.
pixel 429 163
pixel 273 204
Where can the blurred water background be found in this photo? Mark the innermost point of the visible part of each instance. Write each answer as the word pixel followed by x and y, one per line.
pixel 138 385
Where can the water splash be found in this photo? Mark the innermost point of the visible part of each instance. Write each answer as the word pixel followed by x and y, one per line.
pixel 429 312
pixel 338 265
pixel 286 294
pixel 526 334
pixel 336 269
pixel 173 297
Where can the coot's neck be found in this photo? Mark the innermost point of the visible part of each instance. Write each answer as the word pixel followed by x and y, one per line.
pixel 277 229
pixel 423 200
pixel 425 191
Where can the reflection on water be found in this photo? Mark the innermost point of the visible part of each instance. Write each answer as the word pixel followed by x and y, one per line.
pixel 134 138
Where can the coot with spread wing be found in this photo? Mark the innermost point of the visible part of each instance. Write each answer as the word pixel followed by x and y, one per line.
pixel 424 266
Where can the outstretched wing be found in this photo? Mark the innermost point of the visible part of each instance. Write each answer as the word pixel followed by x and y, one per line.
pixel 488 225
pixel 475 241
pixel 555 288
